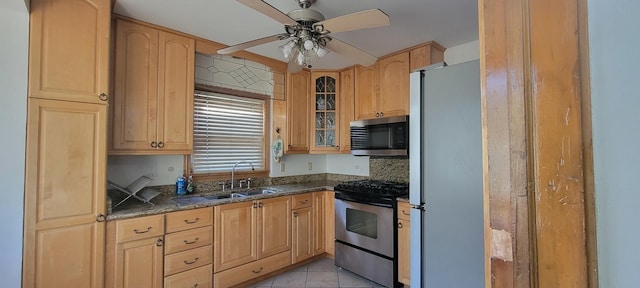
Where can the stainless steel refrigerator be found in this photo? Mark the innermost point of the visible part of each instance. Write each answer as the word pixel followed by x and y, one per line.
pixel 445 162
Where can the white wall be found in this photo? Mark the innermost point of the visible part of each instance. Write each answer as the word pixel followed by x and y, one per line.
pixel 14 32
pixel 614 63
pixel 462 53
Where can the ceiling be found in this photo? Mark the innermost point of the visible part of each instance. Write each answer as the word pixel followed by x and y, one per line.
pixel 448 22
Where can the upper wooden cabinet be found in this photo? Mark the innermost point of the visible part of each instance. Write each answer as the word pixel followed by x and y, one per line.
pixel 153 97
pixel 346 108
pixel 297 101
pixel 324 110
pixel 382 90
pixel 366 91
pixel 394 86
pixel 425 55
pixel 69 50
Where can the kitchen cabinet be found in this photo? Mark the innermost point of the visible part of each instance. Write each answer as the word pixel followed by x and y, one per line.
pixel 319 217
pixel 153 91
pixel 69 55
pixel 135 252
pixel 425 55
pixel 329 222
pixel 325 112
pixel 249 231
pixel 382 90
pixel 404 248
pixel 297 101
pixel 64 209
pixel 393 99
pixel 346 108
pixel 66 143
pixel 302 227
pixel 188 248
pixel 366 91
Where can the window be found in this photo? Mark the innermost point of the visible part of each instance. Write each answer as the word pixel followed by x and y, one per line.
pixel 228 129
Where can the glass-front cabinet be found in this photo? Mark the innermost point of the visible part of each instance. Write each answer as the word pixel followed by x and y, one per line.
pixel 325 130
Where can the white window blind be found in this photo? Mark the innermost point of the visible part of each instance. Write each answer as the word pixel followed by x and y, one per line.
pixel 227 129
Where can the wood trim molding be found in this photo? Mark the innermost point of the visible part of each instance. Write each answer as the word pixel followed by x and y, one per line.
pixel 536 144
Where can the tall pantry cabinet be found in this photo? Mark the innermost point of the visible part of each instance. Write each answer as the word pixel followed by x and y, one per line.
pixel 66 143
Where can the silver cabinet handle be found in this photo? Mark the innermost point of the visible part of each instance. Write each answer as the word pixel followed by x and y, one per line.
pixel 256 272
pixel 191 262
pixel 191 242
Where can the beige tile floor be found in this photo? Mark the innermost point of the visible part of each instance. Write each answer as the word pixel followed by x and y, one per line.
pixel 320 273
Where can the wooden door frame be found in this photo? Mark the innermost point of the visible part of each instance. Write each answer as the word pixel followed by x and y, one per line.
pixel 539 198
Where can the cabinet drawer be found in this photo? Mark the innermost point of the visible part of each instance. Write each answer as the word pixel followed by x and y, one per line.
pixel 185 260
pixel 199 277
pixel 404 210
pixel 251 270
pixel 183 220
pixel 188 239
pixel 139 228
pixel 301 200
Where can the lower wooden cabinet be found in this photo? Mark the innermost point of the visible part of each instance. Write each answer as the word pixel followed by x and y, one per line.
pixel 319 217
pixel 135 252
pixel 329 223
pixel 301 234
pixel 404 248
pixel 199 277
pixel 251 270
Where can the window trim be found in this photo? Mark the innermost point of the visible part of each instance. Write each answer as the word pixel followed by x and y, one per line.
pixel 267 142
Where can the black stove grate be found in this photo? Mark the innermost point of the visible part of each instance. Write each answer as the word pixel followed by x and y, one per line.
pixel 376 192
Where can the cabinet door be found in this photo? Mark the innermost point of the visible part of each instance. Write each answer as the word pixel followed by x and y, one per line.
pixel 394 85
pixel 69 50
pixel 319 218
pixel 175 93
pixel 297 112
pixel 302 234
pixel 324 107
pixel 366 92
pixel 404 251
pixel 136 87
pixel 235 235
pixel 346 108
pixel 139 263
pixel 64 193
pixel 426 55
pixel 330 222
pixel 274 226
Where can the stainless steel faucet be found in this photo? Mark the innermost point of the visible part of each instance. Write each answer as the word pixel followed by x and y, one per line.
pixel 233 170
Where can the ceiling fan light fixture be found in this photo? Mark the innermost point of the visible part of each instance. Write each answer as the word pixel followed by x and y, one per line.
pixel 309 45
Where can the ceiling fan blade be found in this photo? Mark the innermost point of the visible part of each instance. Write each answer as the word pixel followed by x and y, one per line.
pixel 256 42
pixel 361 57
pixel 359 20
pixel 269 11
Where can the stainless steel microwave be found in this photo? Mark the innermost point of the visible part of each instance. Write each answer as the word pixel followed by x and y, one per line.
pixel 387 136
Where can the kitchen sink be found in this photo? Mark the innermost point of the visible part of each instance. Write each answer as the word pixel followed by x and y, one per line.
pixel 186 200
pixel 260 191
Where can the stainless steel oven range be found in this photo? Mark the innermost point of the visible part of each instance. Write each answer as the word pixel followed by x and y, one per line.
pixel 366 235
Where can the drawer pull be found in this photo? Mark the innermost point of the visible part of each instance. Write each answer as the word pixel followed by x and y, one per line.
pixel 195 286
pixel 405 213
pixel 260 205
pixel 142 232
pixel 304 202
pixel 191 242
pixel 256 272
pixel 191 222
pixel 159 243
pixel 194 261
pixel 399 225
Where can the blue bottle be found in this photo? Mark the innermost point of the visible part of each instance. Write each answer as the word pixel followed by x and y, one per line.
pixel 181 188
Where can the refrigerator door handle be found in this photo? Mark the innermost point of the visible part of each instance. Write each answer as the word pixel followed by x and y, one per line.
pixel 420 206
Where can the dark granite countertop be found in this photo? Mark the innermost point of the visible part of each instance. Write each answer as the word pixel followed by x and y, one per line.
pixel 163 203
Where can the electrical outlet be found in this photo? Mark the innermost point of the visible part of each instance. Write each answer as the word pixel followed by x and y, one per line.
pixel 309 166
pixel 281 167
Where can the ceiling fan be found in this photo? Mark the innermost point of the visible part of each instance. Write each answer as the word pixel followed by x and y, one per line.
pixel 308 33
